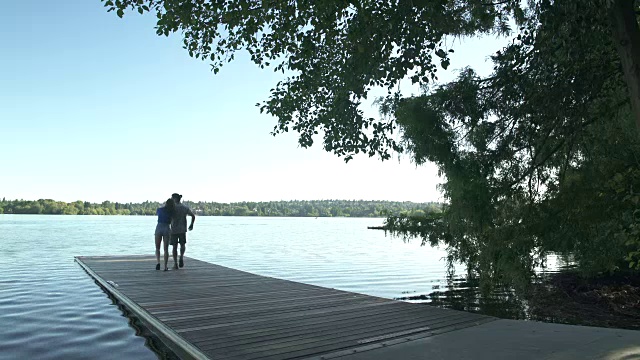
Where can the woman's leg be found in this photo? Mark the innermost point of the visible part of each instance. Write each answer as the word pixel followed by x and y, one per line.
pixel 158 241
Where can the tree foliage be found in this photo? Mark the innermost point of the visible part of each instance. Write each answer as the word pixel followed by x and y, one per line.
pixel 334 53
pixel 294 208
pixel 540 157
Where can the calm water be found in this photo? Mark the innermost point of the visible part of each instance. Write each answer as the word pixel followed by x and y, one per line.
pixel 51 309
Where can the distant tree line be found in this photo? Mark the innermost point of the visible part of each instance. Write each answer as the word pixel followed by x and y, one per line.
pixel 295 208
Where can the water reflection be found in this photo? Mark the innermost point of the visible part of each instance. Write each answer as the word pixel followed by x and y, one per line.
pixel 151 341
pixel 462 293
pixel 465 294
pixel 559 296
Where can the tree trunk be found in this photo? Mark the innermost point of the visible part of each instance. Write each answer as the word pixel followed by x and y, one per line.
pixel 627 38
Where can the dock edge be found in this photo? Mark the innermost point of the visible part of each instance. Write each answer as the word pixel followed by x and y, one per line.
pixel 169 338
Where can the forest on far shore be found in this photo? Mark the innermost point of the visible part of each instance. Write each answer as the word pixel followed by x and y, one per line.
pixel 294 208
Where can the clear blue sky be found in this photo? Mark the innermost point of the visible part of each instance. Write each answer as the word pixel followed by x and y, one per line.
pixel 93 107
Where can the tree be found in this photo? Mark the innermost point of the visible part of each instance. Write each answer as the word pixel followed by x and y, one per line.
pixel 623 21
pixel 539 157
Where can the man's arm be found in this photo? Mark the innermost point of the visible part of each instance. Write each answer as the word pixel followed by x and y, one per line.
pixel 193 219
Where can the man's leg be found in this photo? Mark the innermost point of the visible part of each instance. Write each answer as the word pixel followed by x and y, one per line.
pixel 175 256
pixel 183 248
pixel 174 243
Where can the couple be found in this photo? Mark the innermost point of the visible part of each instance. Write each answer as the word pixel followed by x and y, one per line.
pixel 172 228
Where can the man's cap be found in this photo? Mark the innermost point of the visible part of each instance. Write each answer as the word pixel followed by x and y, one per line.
pixel 176 196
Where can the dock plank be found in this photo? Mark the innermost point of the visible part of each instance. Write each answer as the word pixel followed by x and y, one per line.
pixel 208 311
pixel 240 334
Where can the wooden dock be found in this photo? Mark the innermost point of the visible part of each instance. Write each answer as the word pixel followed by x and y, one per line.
pixel 207 311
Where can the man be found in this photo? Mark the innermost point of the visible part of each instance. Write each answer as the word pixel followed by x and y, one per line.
pixel 179 229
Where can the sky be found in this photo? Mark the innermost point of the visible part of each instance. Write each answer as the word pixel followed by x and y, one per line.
pixel 94 108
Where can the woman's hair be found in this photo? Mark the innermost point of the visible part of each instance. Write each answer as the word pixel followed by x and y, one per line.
pixel 170 206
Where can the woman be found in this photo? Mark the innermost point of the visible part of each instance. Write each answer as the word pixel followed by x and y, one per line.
pixel 163 231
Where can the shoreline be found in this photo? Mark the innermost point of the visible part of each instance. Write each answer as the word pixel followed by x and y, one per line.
pixel 228 216
pixel 611 301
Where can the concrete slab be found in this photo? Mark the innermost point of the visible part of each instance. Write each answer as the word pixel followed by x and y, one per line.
pixel 516 339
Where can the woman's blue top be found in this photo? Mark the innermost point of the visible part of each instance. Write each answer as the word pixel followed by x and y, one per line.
pixel 164 217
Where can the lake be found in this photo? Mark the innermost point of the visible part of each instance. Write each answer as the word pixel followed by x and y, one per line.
pixel 51 309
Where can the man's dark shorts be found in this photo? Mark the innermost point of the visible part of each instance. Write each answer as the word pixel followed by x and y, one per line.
pixel 178 238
